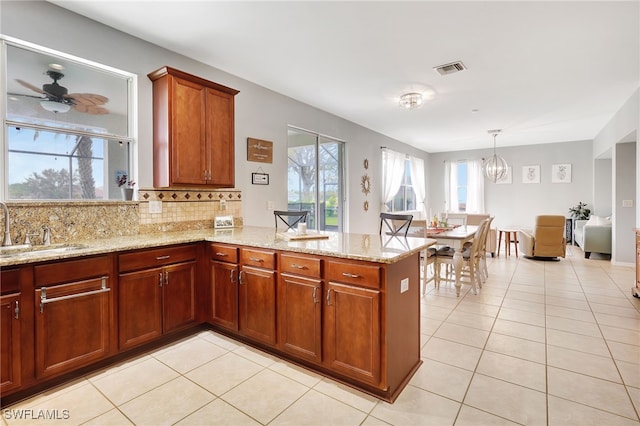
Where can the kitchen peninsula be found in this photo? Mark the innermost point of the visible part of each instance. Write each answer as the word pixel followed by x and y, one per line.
pixel 346 306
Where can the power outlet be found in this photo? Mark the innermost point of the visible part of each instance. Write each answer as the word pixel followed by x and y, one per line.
pixel 155 207
pixel 404 285
pixel 269 205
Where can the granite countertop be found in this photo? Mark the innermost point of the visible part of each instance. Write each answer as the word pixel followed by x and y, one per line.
pixel 368 247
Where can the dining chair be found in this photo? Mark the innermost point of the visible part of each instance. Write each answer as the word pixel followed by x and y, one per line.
pixel 396 224
pixel 470 260
pixel 290 218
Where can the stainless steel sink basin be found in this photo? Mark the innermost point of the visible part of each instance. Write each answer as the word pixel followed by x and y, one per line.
pixel 32 251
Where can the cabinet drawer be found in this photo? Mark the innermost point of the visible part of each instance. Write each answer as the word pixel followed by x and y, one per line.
pixel 156 257
pixel 224 253
pixel 307 266
pixel 259 258
pixel 354 273
pixel 9 281
pixel 72 270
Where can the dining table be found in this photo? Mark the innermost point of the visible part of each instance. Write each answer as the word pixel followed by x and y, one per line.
pixel 454 237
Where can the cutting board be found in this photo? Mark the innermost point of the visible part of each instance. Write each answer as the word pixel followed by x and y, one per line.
pixel 308 236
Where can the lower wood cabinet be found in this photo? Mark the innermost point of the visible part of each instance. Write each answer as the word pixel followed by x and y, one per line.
pixel 257 295
pixel 223 269
pixel 74 314
pixel 10 326
pixel 157 293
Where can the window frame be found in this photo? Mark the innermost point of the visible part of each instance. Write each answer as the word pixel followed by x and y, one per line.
pixel 132 119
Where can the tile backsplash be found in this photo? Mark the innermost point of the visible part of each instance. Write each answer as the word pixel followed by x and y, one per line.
pixel 181 209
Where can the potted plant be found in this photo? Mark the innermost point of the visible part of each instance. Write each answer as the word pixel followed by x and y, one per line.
pixel 580 212
pixel 126 186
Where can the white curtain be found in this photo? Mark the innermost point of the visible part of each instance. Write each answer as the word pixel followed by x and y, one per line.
pixel 391 175
pixel 450 186
pixel 417 179
pixel 475 187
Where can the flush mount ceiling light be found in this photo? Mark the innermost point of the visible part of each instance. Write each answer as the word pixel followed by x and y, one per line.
pixel 53 106
pixel 411 100
pixel 495 167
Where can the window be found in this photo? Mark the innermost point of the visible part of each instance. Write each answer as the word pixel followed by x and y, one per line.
pixel 68 126
pixel 462 186
pixel 315 178
pixel 405 198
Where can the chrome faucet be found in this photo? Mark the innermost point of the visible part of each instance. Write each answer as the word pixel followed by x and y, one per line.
pixel 7 233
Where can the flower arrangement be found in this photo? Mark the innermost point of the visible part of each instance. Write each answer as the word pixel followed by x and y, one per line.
pixel 580 212
pixel 124 181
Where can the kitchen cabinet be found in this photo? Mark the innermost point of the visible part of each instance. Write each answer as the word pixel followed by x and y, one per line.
pixel 74 314
pixel 157 293
pixel 636 290
pixel 353 320
pixel 193 130
pixel 300 306
pixel 11 320
pixel 257 295
pixel 223 265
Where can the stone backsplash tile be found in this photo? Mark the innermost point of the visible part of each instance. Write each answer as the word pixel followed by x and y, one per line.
pixel 182 210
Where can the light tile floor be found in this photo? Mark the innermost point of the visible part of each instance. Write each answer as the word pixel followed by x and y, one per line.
pixel 543 343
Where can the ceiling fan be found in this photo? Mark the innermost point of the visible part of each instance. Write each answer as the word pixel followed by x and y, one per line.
pixel 55 98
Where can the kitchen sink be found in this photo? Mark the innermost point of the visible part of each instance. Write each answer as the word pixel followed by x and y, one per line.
pixel 24 250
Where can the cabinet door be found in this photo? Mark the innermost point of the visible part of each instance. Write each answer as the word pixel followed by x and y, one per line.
pixel 10 342
pixel 188 154
pixel 179 299
pixel 140 307
pixel 299 316
pixel 72 325
pixel 220 140
pixel 352 332
pixel 258 304
pixel 224 294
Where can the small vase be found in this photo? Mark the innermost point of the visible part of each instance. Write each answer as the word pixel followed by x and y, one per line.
pixel 127 194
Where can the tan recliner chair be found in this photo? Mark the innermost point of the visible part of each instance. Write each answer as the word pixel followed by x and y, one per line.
pixel 548 238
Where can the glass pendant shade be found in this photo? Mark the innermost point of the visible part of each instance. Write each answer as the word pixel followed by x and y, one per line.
pixel 495 167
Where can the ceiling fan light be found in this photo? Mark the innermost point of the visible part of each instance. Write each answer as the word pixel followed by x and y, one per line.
pixel 53 106
pixel 411 100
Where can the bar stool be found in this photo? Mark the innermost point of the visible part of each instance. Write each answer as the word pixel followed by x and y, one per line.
pixel 510 236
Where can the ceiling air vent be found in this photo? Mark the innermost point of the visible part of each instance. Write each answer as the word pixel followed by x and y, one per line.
pixel 451 68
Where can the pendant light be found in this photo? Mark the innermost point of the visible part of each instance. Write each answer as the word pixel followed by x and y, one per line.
pixel 495 167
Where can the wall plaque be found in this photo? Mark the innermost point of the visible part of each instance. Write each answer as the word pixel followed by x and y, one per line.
pixel 259 150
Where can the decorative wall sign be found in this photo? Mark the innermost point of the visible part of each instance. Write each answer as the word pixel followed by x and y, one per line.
pixel 365 184
pixel 531 174
pixel 259 150
pixel 561 173
pixel 259 178
pixel 507 178
pixel 223 222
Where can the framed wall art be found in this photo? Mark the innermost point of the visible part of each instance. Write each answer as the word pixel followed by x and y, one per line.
pixel 259 150
pixel 531 174
pixel 561 173
pixel 259 179
pixel 223 222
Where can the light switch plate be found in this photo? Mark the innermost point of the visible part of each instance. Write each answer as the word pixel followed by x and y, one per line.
pixel 627 203
pixel 155 206
pixel 404 285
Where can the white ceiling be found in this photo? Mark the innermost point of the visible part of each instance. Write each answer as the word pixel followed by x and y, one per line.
pixel 541 71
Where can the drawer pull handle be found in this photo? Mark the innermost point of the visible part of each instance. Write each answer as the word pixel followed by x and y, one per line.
pixel 44 300
pixel 163 257
pixel 166 278
pixel 295 266
pixel 232 276
pixel 256 259
pixel 329 297
pixel 221 254
pixel 160 279
pixel 315 297
pixel 16 311
pixel 348 275
pixel 240 276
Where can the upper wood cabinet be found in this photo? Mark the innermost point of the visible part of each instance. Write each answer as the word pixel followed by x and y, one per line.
pixel 193 130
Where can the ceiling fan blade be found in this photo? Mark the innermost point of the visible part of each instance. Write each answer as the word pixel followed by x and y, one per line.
pixel 88 98
pixel 90 109
pixel 30 86
pixel 27 96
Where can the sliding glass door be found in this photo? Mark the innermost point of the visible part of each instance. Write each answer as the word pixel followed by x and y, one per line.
pixel 315 178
